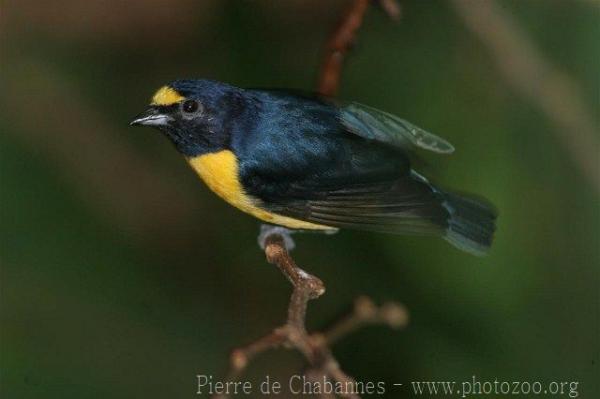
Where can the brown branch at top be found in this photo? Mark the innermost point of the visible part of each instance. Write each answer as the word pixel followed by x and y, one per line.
pixel 315 347
pixel 341 42
pixel 537 80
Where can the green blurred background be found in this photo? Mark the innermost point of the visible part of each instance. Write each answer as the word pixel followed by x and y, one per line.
pixel 123 276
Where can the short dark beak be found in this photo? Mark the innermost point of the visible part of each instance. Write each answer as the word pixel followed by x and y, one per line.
pixel 151 117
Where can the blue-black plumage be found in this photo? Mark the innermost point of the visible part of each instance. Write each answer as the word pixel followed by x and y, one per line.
pixel 307 162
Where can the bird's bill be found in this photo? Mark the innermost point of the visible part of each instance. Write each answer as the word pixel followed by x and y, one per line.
pixel 151 117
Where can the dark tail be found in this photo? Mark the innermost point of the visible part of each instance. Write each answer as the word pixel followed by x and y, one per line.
pixel 409 205
pixel 471 223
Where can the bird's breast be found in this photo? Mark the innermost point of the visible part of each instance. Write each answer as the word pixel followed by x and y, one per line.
pixel 220 172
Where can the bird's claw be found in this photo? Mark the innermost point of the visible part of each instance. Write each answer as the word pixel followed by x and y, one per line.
pixel 267 229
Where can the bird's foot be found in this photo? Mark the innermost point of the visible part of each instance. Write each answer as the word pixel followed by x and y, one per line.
pixel 267 229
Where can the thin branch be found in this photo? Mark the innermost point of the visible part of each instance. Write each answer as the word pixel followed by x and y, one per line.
pixel 306 286
pixel 314 347
pixel 537 80
pixel 342 40
pixel 366 312
pixel 338 46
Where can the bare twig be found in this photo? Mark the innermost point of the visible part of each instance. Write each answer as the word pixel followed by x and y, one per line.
pixel 314 347
pixel 341 42
pixel 365 313
pixel 537 80
pixel 306 286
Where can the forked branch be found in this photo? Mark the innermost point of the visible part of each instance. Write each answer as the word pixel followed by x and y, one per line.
pixel 314 347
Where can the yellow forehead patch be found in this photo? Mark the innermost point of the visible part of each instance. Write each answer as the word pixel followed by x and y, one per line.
pixel 166 96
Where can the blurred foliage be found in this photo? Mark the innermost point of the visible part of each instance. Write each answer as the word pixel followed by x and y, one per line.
pixel 122 276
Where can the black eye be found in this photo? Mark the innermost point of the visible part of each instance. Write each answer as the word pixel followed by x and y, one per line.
pixel 190 106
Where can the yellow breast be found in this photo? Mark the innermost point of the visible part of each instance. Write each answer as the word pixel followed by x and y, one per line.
pixel 219 171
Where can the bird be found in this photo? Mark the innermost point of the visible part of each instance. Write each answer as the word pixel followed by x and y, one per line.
pixel 311 163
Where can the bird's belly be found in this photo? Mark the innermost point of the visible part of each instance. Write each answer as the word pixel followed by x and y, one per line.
pixel 219 170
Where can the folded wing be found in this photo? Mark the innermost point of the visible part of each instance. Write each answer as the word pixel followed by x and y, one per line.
pixel 373 124
pixel 401 206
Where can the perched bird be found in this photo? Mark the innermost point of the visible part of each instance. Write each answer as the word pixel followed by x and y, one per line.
pixel 310 163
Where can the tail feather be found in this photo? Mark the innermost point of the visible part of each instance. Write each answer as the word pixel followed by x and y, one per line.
pixel 471 223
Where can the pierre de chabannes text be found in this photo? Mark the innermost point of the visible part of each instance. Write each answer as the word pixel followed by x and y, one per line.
pixel 297 384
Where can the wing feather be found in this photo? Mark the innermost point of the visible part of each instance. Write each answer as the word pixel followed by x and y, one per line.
pixel 373 124
pixel 404 205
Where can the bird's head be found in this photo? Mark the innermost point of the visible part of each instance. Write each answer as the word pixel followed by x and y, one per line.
pixel 193 114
